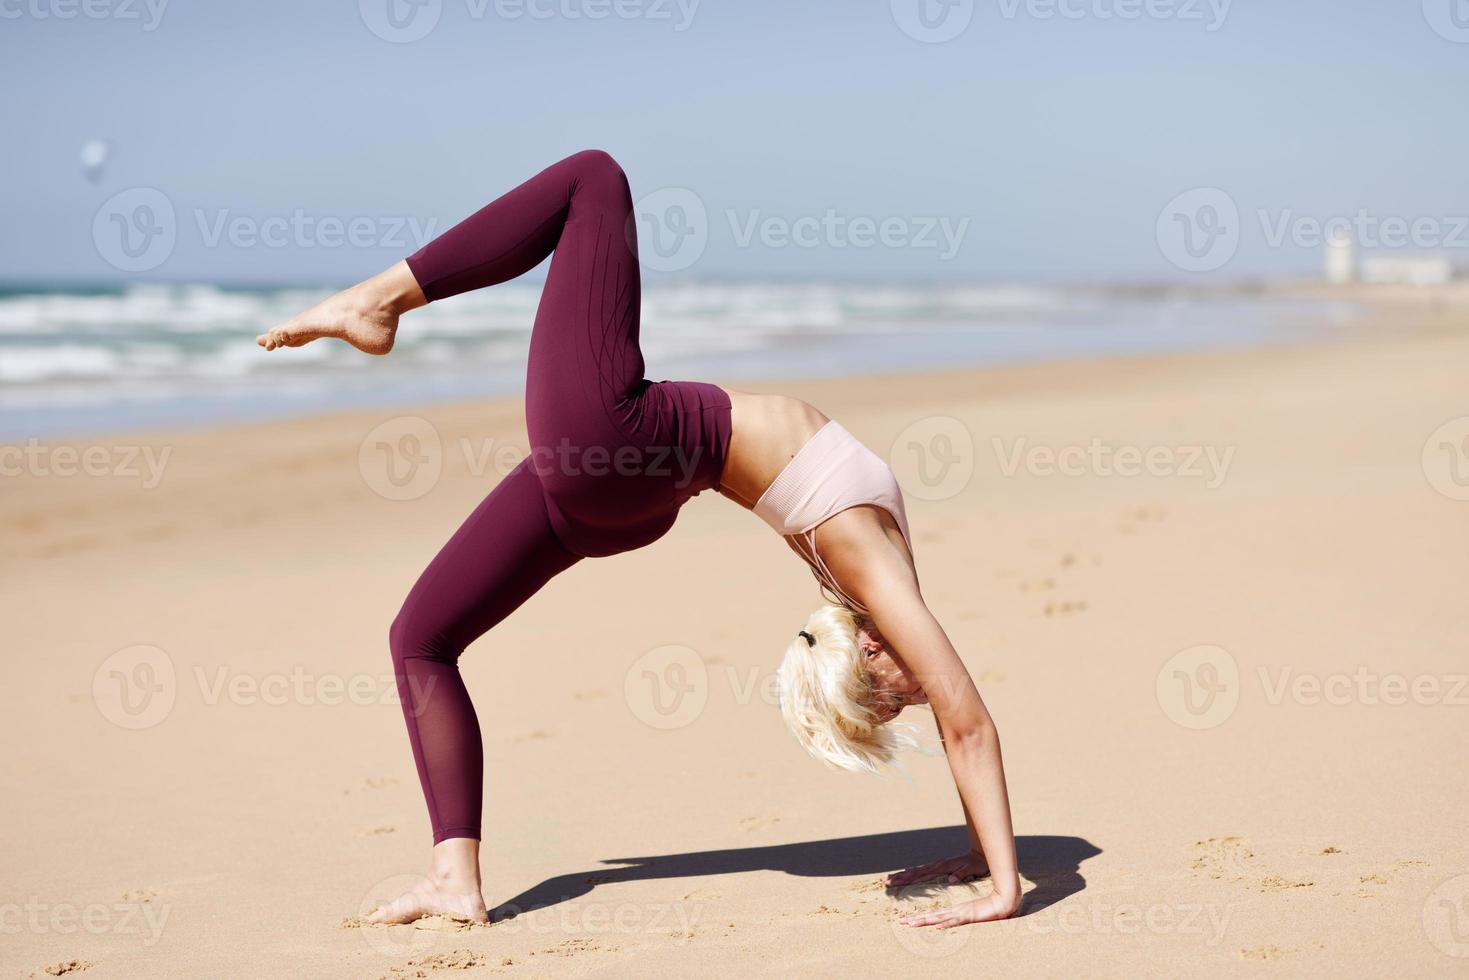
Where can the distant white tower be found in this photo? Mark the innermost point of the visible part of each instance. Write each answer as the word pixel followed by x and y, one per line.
pixel 1341 257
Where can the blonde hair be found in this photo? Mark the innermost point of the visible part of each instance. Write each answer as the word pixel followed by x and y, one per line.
pixel 826 695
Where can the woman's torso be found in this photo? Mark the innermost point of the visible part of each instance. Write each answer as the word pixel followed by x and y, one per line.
pixel 767 433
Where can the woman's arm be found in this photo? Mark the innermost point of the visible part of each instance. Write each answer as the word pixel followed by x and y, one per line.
pixel 885 584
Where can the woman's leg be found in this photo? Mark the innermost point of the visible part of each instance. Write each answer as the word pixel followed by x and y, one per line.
pixel 501 556
pixel 584 353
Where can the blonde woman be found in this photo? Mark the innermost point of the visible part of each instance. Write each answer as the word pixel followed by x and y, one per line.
pixel 613 458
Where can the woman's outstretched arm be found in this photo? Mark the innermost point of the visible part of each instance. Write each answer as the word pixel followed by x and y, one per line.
pixel 887 587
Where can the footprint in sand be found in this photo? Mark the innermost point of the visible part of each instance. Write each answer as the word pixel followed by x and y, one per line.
pixel 1275 883
pixel 142 894
pixel 459 959
pixel 870 887
pixel 372 782
pixel 68 966
pixel 758 823
pixel 1135 516
pixel 1265 953
pixel 1225 858
pixel 574 947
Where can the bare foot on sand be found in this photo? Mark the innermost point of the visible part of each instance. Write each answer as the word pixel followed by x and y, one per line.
pixel 433 897
pixel 365 316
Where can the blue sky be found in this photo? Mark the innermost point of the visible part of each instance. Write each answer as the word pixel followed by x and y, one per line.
pixel 1054 140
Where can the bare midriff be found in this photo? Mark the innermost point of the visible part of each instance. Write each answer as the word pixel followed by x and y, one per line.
pixel 766 433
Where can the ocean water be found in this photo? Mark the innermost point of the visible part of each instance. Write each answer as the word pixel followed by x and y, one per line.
pixel 150 356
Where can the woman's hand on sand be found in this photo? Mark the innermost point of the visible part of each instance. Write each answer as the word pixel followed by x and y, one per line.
pixel 987 909
pixel 965 867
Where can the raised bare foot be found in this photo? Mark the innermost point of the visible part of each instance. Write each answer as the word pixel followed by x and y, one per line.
pixel 433 897
pixel 365 316
pixel 351 315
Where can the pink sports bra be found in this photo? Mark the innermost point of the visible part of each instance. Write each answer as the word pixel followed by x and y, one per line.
pixel 831 473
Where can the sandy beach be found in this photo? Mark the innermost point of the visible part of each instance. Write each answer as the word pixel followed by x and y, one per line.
pixel 1214 601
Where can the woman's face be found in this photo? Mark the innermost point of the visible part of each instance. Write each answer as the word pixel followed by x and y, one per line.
pixel 893 686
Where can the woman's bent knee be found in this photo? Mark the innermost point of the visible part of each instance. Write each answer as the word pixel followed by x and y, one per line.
pixel 410 639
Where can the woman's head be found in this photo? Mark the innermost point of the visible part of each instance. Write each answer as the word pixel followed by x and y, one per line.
pixel 840 686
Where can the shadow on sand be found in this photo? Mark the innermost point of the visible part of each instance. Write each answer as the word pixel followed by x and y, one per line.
pixel 1052 863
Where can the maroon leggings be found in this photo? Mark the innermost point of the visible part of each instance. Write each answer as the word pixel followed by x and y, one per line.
pixel 613 455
